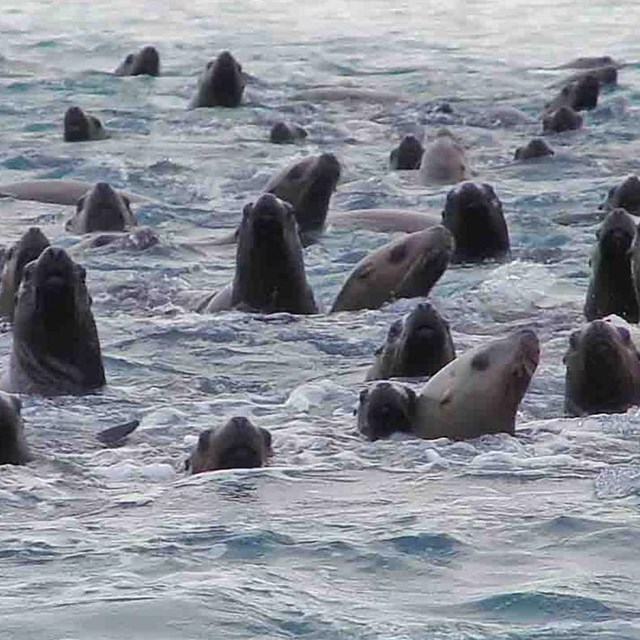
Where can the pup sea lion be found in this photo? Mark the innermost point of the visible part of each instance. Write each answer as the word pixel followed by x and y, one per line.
pixel 28 248
pixel 383 220
pixel 13 445
pixel 479 392
pixel 80 126
pixel 221 83
pixel 417 345
pixel 581 94
pixel 308 185
pixel 102 208
pixel 283 133
pixel 626 196
pixel 404 268
pixel 561 120
pixel 238 444
pixel 56 350
pixel 535 148
pixel 603 370
pixel 407 155
pixel 386 408
pixel 473 214
pixel 611 288
pixel 270 275
pixel 443 161
pixel 145 62
pixel 66 192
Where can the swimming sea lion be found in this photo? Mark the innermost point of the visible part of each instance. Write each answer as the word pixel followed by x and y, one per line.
pixel 28 248
pixel 138 239
pixel 386 408
pixel 473 214
pixel 404 268
pixel 308 185
pixel 145 62
pixel 581 94
pixel 535 148
pixel 383 220
pixel 102 208
pixel 283 133
pixel 479 392
pixel 589 62
pixel 80 126
pixel 603 370
pixel 607 75
pixel 417 345
pixel 407 155
pixel 56 350
pixel 443 160
pixel 13 445
pixel 626 196
pixel 66 192
pixel 611 288
pixel 270 275
pixel 561 120
pixel 221 83
pixel 238 444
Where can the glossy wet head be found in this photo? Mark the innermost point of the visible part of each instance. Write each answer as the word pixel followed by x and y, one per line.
pixel 385 409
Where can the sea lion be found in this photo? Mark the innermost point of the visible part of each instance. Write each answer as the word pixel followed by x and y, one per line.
pixel 383 220
pixel 535 148
pixel 221 83
pixel 611 288
pixel 626 196
pixel 137 239
pixel 589 62
pixel 417 345
pixel 404 268
pixel 308 185
pixel 386 408
pixel 238 444
pixel 13 445
pixel 80 126
pixel 284 133
pixel 407 155
pixel 66 192
pixel 443 161
pixel 56 350
pixel 561 120
pixel 603 370
pixel 270 275
pixel 473 214
pixel 581 94
pixel 607 75
pixel 144 63
pixel 102 208
pixel 32 243
pixel 479 392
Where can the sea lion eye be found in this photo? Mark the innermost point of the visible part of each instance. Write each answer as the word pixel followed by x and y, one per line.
pixel 574 339
pixel 480 362
pixel 398 253
pixel 624 334
pixel 394 330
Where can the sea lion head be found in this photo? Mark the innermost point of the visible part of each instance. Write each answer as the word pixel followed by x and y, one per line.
pixel 239 444
pixel 145 62
pixel 603 369
pixel 473 213
pixel 102 208
pixel 32 243
pixel 13 446
pixel 626 196
pixel 56 343
pixel 80 126
pixel 384 409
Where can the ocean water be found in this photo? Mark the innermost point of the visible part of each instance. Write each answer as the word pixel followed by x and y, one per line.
pixel 533 537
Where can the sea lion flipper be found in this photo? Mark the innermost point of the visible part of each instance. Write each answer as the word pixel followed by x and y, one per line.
pixel 115 436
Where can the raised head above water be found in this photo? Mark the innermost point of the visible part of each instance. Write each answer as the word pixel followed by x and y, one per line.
pixel 221 83
pixel 144 62
pixel 102 208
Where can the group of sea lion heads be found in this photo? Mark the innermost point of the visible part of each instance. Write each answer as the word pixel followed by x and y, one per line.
pixel 56 348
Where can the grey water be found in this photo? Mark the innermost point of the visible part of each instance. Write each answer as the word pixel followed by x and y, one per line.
pixel 530 537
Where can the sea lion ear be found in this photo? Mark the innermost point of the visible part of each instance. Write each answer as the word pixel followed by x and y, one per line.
pixel 266 436
pixel 126 201
pixel 203 440
pixel 80 203
pixel 187 464
pixel 246 210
